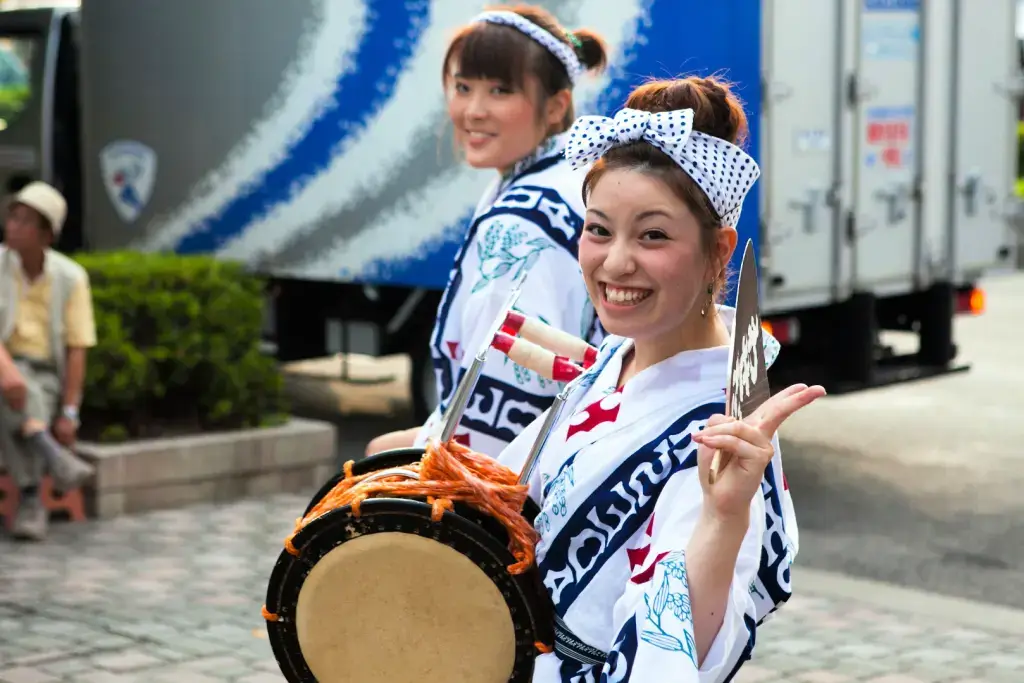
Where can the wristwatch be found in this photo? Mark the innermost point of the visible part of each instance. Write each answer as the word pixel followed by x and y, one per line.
pixel 71 413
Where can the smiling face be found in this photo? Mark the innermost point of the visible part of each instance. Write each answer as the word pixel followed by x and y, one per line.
pixel 645 262
pixel 497 124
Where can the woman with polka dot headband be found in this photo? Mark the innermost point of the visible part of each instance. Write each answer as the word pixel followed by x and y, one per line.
pixel 654 572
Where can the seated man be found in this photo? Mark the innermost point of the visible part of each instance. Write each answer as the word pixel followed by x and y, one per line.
pixel 46 325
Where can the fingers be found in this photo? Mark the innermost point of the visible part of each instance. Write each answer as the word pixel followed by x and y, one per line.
pixel 789 391
pixel 736 439
pixel 781 406
pixel 718 419
pixel 745 437
pixel 733 428
pixel 751 456
pixel 704 457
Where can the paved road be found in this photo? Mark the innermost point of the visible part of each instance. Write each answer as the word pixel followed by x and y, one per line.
pixel 917 484
pixel 920 484
pixel 174 597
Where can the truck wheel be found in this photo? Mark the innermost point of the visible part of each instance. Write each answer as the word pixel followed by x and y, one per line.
pixel 854 340
pixel 936 333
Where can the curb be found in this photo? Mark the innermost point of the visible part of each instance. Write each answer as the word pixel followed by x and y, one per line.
pixel 892 598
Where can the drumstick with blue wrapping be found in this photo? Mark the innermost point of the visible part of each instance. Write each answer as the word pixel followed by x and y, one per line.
pixel 560 342
pixel 531 356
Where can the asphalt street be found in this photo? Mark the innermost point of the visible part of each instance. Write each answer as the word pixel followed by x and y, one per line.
pixel 918 484
pixel 175 596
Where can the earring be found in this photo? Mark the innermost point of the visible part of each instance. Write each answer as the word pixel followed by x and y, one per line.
pixel 711 300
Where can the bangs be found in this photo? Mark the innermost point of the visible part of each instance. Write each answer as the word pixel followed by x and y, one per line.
pixel 492 52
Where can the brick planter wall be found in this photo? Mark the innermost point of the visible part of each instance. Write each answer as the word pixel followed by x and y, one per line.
pixel 215 467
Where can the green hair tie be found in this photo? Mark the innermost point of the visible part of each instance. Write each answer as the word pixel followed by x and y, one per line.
pixel 576 42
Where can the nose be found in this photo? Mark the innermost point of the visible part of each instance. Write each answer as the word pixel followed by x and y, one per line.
pixel 476 106
pixel 619 260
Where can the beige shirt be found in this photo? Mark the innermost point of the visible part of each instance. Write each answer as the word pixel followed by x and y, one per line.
pixel 31 335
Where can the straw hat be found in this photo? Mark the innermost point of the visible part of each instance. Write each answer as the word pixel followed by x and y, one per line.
pixel 46 200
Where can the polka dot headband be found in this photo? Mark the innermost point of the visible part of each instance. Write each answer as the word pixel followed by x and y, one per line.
pixel 724 171
pixel 564 53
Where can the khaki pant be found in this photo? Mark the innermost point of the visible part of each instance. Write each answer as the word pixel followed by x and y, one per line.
pixel 42 395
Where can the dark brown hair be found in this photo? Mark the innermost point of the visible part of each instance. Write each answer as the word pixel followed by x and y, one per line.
pixel 717 111
pixel 505 54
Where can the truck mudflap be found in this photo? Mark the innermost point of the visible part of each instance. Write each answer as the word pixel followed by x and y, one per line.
pixel 841 347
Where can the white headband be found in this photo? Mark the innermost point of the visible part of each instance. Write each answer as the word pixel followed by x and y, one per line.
pixel 724 171
pixel 565 54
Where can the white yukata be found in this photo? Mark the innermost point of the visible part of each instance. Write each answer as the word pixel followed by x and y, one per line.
pixel 528 221
pixel 619 496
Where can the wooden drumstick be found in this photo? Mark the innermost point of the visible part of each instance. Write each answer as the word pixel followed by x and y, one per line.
pixel 719 459
pixel 558 341
pixel 718 462
pixel 545 363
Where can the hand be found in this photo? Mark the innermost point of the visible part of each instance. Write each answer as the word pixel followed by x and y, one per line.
pixel 12 386
pixel 747 447
pixel 66 431
pixel 386 442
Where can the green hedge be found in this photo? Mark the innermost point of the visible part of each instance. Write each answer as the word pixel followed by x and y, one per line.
pixel 178 348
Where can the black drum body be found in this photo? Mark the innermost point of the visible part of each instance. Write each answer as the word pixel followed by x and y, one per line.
pixel 385 527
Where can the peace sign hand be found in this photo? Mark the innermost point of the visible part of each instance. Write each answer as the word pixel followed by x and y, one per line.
pixel 748 445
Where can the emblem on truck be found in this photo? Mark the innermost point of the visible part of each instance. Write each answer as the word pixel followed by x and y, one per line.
pixel 129 173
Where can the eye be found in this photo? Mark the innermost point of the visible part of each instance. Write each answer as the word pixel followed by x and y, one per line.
pixel 461 88
pixel 654 235
pixel 596 230
pixel 502 90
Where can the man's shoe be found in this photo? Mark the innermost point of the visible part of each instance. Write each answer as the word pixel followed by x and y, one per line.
pixel 68 470
pixel 32 520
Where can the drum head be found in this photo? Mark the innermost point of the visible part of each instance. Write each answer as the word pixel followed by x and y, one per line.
pixel 392 596
pixel 394 607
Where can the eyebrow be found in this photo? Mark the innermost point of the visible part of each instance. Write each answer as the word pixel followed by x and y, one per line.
pixel 639 217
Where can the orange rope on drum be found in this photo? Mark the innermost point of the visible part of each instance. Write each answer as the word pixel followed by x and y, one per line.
pixel 447 473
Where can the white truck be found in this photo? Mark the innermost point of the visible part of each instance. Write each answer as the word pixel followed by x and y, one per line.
pixel 308 139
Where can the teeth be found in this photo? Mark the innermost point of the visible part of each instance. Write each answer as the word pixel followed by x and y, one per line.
pixel 625 296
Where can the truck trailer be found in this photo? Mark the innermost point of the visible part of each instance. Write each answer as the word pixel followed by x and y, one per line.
pixel 308 139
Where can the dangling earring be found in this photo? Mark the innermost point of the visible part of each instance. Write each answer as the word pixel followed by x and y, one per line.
pixel 710 302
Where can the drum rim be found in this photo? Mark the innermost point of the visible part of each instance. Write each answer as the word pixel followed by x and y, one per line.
pixel 365 466
pixel 289 570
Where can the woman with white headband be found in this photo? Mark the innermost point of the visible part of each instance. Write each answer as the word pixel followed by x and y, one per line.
pixel 654 573
pixel 508 77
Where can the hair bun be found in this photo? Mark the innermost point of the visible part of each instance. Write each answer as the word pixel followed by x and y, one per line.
pixel 590 48
pixel 716 109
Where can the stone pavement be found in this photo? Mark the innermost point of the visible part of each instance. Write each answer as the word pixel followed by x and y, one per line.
pixel 175 596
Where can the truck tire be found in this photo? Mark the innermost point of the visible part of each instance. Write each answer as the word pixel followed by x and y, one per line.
pixel 936 333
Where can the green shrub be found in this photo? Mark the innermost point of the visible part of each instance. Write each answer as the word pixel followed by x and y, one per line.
pixel 178 348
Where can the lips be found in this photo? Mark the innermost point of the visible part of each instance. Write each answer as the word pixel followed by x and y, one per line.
pixel 477 140
pixel 624 296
